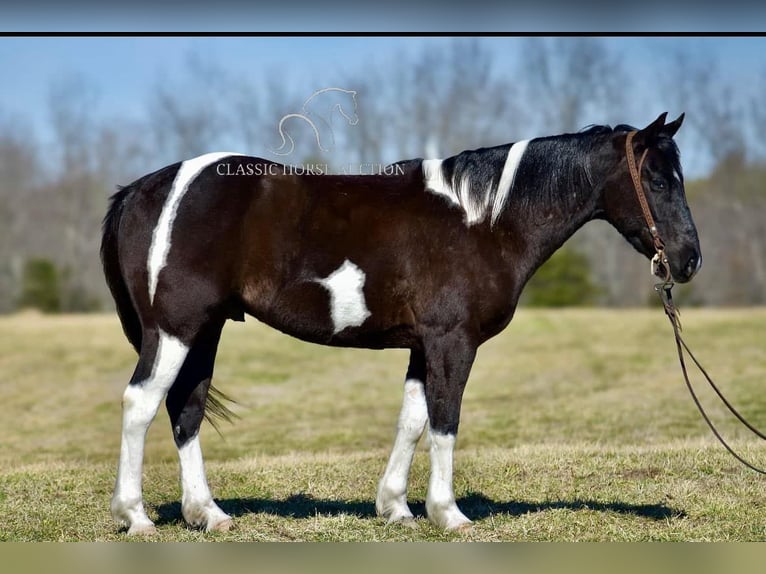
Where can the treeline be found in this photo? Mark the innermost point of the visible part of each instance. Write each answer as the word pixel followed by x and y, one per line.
pixel 436 101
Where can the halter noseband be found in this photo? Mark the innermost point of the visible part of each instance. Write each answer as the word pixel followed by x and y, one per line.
pixel 659 261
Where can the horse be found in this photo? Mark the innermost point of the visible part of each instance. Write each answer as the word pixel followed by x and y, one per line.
pixel 432 259
pixel 317 113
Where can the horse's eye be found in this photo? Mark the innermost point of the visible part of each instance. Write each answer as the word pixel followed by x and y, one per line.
pixel 658 184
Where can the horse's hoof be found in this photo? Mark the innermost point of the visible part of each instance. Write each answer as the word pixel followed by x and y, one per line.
pixel 409 522
pixel 465 528
pixel 223 526
pixel 142 530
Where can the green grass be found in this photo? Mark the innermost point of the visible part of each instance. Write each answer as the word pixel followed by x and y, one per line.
pixel 576 426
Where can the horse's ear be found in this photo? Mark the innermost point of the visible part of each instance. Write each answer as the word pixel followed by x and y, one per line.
pixel 670 129
pixel 651 132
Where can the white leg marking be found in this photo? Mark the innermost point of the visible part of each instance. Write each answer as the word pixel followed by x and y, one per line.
pixel 347 305
pixel 507 177
pixel 139 406
pixel 391 502
pixel 158 251
pixel 197 504
pixel 440 500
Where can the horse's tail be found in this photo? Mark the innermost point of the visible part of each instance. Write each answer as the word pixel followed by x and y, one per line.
pixel 215 407
pixel 110 259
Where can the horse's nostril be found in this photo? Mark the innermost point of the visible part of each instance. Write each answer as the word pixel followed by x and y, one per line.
pixel 693 264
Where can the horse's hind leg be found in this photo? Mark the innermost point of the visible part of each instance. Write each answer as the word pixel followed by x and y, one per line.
pixel 186 406
pixel 160 361
pixel 391 501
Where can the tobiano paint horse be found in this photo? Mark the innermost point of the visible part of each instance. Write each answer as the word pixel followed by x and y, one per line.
pixel 431 259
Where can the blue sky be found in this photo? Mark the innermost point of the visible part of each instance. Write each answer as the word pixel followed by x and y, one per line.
pixel 124 70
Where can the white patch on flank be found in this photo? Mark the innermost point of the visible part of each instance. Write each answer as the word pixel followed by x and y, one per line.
pixel 158 251
pixel 507 177
pixel 440 499
pixel 197 505
pixel 139 407
pixel 391 501
pixel 347 305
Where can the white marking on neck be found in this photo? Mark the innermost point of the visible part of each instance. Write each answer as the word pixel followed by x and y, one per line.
pixel 347 305
pixel 475 211
pixel 435 182
pixel 158 251
pixel 508 177
pixel 677 175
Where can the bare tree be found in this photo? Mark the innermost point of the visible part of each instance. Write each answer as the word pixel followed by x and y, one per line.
pixel 441 100
pixel 570 81
pixel 189 117
pixel 715 112
pixel 731 203
pixel 19 173
pixel 76 197
pixel 757 116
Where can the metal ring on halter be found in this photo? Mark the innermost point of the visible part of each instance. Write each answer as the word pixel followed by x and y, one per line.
pixel 660 262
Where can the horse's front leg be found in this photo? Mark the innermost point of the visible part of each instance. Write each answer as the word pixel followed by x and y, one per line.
pixel 391 501
pixel 449 357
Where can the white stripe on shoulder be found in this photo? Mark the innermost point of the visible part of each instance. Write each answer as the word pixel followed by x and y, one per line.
pixel 507 177
pixel 158 251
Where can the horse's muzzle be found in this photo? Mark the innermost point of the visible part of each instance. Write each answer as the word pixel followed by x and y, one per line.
pixel 691 264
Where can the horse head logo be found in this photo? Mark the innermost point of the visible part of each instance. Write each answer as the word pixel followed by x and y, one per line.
pixel 317 112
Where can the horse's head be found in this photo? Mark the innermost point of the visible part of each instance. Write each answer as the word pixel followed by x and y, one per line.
pixel 663 186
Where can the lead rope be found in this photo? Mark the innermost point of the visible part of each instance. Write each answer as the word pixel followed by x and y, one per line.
pixel 664 290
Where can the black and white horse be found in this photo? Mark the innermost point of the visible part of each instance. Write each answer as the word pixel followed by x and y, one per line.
pixel 432 259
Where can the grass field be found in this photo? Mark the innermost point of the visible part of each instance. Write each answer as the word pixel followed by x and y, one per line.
pixel 576 426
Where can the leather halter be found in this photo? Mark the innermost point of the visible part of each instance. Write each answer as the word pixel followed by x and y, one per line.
pixel 660 264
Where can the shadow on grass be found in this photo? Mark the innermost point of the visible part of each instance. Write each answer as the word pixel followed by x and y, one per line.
pixel 475 506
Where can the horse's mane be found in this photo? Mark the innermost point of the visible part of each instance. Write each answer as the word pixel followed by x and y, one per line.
pixel 552 166
pixel 567 159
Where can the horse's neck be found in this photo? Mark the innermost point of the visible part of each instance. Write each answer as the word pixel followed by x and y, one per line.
pixel 544 212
